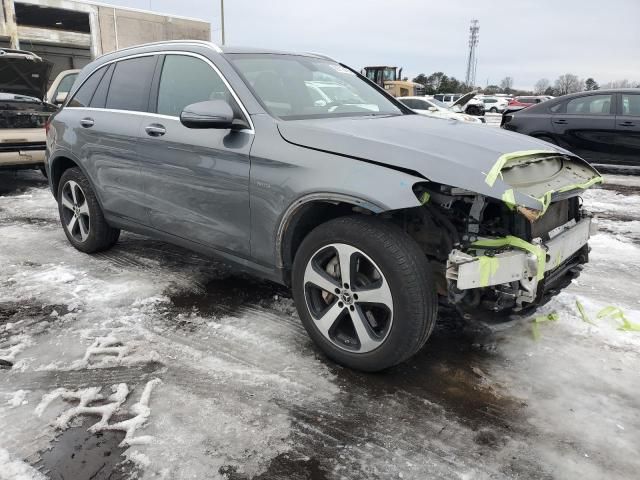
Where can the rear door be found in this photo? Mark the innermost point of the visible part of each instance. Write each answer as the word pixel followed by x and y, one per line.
pixel 112 127
pixel 196 180
pixel 585 125
pixel 628 129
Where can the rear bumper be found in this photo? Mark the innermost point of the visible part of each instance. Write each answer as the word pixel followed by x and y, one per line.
pixel 468 271
pixel 21 157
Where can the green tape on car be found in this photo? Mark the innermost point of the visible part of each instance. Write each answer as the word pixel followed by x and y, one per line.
pixel 425 197
pixel 509 199
pixel 488 268
pixel 491 177
pixel 511 241
pixel 583 186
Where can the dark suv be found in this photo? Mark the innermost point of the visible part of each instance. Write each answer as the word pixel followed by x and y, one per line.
pixel 370 212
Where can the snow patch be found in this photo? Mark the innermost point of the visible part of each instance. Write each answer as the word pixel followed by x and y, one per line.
pixel 14 469
pixel 114 402
pixel 17 398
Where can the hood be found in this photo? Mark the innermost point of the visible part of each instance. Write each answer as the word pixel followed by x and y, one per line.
pixel 463 100
pixel 449 152
pixel 24 74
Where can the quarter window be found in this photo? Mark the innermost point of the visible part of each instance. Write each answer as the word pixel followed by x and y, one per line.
pixel 631 105
pixel 590 105
pixel 83 96
pixel 186 80
pixel 129 88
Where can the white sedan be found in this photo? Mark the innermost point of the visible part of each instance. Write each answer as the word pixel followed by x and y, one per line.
pixel 433 108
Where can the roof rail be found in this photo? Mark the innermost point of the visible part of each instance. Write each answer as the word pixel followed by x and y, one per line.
pixel 320 55
pixel 171 42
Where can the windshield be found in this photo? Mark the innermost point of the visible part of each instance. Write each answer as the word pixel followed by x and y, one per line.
pixel 295 87
pixel 438 103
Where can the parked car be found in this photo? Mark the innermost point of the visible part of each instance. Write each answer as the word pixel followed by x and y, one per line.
pixel 23 113
pixel 601 126
pixel 61 86
pixel 433 108
pixel 466 102
pixel 494 104
pixel 367 214
pixel 527 101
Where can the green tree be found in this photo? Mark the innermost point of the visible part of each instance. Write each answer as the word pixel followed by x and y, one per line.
pixel 591 84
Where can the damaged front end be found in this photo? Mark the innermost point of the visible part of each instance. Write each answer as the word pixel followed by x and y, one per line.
pixel 513 250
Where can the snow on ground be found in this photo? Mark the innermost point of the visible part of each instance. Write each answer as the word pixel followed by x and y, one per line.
pixel 244 394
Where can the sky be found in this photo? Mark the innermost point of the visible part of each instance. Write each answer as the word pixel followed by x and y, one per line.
pixel 524 39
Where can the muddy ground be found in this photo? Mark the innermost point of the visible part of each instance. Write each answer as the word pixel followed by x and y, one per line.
pixel 244 394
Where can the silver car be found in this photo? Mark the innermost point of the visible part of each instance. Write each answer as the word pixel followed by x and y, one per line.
pixel 372 214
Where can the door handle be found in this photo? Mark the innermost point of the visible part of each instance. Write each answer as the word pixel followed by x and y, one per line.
pixel 560 122
pixel 87 122
pixel 627 124
pixel 155 130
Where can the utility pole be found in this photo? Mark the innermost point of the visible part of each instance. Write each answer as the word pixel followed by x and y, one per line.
pixel 472 59
pixel 222 19
pixel 12 26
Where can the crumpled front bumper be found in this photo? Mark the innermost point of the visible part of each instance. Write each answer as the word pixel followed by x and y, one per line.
pixel 508 265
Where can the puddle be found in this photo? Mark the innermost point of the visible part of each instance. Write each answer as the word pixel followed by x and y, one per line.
pixel 282 467
pixel 16 182
pixel 226 296
pixel 80 455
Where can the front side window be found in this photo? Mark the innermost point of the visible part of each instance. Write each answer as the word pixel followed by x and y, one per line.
pixel 129 88
pixel 289 86
pixel 590 105
pixel 83 95
pixel 631 104
pixel 186 80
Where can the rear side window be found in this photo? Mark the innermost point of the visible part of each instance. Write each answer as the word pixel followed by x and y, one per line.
pixel 186 80
pixel 130 84
pixel 83 96
pixel 631 104
pixel 99 99
pixel 590 105
pixel 409 102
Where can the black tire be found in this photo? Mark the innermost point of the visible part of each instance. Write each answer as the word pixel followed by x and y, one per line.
pixel 99 234
pixel 493 110
pixel 43 171
pixel 407 274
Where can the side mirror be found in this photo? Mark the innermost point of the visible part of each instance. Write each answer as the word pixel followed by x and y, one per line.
pixel 209 114
pixel 432 109
pixel 60 98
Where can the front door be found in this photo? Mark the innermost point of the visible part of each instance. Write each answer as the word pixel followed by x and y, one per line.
pixel 628 130
pixel 196 181
pixel 586 127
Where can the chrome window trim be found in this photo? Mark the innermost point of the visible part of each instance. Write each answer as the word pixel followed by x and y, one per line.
pixel 168 52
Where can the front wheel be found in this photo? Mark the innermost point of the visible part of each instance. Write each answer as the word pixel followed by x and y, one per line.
pixel 493 110
pixel 364 292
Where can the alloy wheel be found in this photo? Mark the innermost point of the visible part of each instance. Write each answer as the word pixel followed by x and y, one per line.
pixel 348 297
pixel 75 211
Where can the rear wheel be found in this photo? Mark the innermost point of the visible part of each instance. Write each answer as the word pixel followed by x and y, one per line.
pixel 81 215
pixel 493 110
pixel 364 292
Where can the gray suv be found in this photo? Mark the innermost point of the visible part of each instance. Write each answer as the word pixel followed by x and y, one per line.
pixel 373 215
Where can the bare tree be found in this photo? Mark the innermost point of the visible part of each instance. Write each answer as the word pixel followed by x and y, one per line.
pixel 624 83
pixel 568 83
pixel 506 84
pixel 541 86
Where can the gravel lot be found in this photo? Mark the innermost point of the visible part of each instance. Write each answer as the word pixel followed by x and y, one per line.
pixel 243 394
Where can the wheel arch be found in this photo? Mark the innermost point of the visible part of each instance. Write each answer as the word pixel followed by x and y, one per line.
pixel 307 213
pixel 61 162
